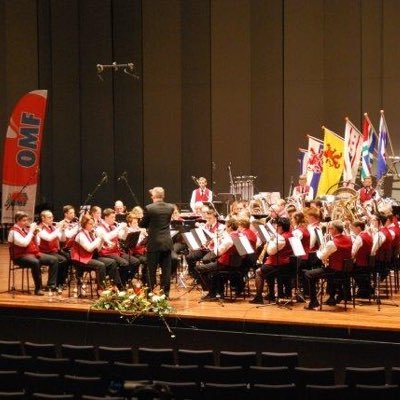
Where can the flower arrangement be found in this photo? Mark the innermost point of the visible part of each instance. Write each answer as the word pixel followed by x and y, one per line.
pixel 134 301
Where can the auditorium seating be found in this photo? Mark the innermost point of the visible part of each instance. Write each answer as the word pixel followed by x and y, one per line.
pixel 212 374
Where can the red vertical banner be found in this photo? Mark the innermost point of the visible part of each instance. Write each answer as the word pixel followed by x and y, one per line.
pixel 22 155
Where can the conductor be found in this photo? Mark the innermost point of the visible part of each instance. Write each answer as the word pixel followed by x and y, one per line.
pixel 157 218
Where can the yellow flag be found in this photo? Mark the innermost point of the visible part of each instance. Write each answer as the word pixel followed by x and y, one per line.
pixel 332 163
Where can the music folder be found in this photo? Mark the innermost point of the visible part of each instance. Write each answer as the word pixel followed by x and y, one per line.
pixel 132 239
pixel 263 233
pixel 243 245
pixel 199 236
pixel 190 240
pixel 297 246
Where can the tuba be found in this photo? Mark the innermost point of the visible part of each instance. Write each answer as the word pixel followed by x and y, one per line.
pixel 345 204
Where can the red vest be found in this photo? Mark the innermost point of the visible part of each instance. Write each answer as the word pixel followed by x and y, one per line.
pixel 51 246
pixel 251 236
pixel 201 197
pixel 302 189
pixel 396 240
pixel 343 245
pixel 108 250
pixel 305 241
pixel 225 258
pixel 282 257
pixel 78 253
pixel 365 196
pixel 364 252
pixel 18 251
pixel 384 252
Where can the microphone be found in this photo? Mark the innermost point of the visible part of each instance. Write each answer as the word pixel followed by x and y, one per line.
pixel 104 178
pixel 195 180
pixel 122 176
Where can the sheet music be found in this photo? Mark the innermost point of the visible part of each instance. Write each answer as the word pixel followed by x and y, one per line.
pixel 264 233
pixel 201 235
pixel 174 233
pixel 191 241
pixel 246 244
pixel 297 246
pixel 271 228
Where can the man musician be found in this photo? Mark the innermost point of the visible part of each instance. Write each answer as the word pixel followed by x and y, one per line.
pixel 367 192
pixel 201 194
pixel 303 191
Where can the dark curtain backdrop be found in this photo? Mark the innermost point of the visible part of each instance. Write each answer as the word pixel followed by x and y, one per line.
pixel 221 81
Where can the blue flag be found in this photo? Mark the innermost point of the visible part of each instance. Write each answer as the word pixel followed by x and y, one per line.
pixel 381 167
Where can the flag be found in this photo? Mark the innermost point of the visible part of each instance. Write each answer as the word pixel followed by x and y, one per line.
pixel 302 160
pixel 314 162
pixel 369 142
pixel 353 142
pixel 332 162
pixel 22 155
pixel 381 167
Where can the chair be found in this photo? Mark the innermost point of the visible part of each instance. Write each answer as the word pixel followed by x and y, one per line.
pixel 46 365
pixel 334 392
pixel 179 373
pixel 16 363
pixel 11 347
pixel 10 381
pixel 237 358
pixel 229 278
pixel 13 267
pixel 102 398
pixel 213 374
pixel 269 375
pixel 78 352
pixel 82 273
pixel 43 383
pixel 182 390
pixel 131 372
pixel 44 396
pixel 372 392
pixel 221 391
pixel 344 280
pixel 84 385
pixel 314 376
pixel 365 376
pixel 40 349
pixel 275 392
pixel 12 395
pixel 92 368
pixel 395 377
pixel 112 354
pixel 271 359
pixel 196 357
pixel 155 357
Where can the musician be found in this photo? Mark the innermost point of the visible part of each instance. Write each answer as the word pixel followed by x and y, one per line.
pixel 303 191
pixel 85 253
pixel 361 251
pixel 367 192
pixel 71 227
pixel 382 243
pixel 202 194
pixel 277 263
pixel 24 251
pixel 157 218
pixel 95 213
pixel 314 227
pixel 226 250
pixel 119 207
pixel 110 231
pixel 336 250
pixel 50 235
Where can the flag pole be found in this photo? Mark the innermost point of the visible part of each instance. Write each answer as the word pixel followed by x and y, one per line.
pixel 387 130
pixel 352 125
pixel 374 132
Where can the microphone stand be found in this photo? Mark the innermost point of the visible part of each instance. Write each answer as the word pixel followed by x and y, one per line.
pixel 124 178
pixel 102 181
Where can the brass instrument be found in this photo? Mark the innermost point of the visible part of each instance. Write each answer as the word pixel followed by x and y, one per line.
pixel 345 204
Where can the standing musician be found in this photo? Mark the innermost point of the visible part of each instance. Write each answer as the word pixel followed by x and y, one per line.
pixel 50 235
pixel 24 251
pixel 278 262
pixel 367 192
pixel 157 218
pixel 85 253
pixel 202 194
pixel 303 191
pixel 361 251
pixel 109 231
pixel 336 250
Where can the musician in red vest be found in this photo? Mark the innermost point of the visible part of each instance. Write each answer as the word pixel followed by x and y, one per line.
pixel 367 192
pixel 303 191
pixel 277 263
pixel 332 254
pixel 361 251
pixel 24 251
pixel 202 194
pixel 50 235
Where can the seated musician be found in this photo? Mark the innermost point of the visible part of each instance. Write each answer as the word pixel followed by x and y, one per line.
pixel 276 264
pixel 201 194
pixel 109 231
pixel 24 251
pixel 85 250
pixel 95 213
pixel 71 228
pixel 50 235
pixel 302 191
pixel 361 251
pixel 332 254
pixel 226 251
pixel 314 227
pixel 367 192
pixel 120 211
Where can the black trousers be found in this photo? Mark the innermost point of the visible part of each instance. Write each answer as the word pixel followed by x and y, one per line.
pixel 162 259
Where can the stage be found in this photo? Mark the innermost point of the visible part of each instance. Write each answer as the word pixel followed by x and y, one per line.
pixel 360 336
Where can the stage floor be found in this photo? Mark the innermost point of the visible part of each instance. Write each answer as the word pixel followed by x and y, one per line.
pixel 239 314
